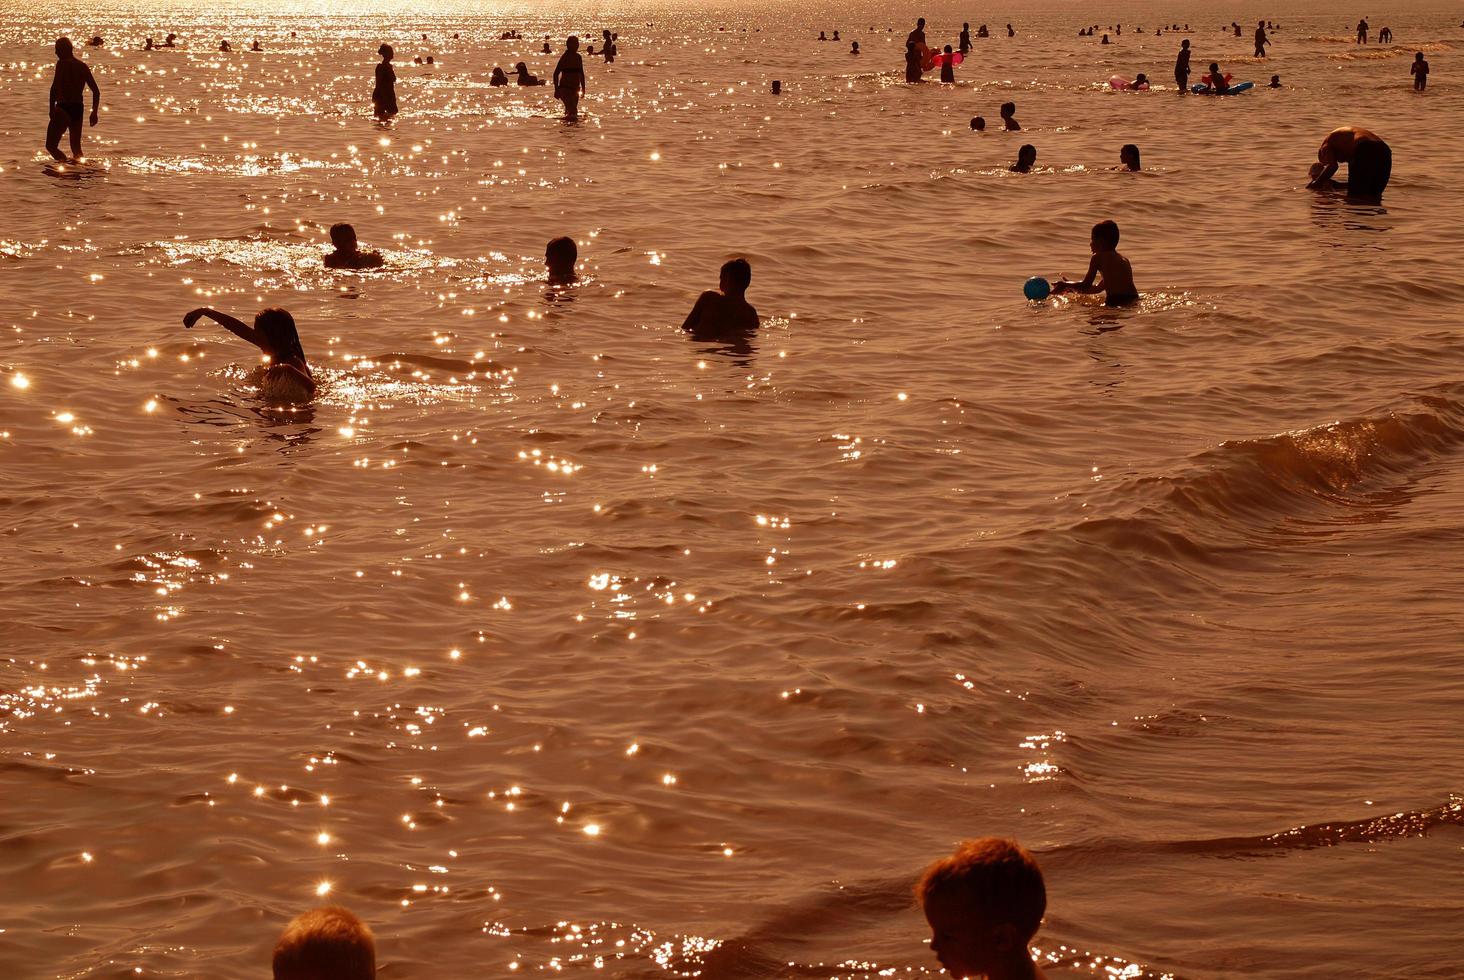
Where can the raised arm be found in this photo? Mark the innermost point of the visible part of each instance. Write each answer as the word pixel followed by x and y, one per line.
pixel 236 327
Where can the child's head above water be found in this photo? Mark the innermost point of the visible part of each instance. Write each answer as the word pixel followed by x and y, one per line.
pixel 1128 155
pixel 984 904
pixel 560 255
pixel 343 237
pixel 1105 236
pixel 1026 157
pixel 324 943
pixel 736 276
pixel 978 124
pixel 277 330
pixel 1008 109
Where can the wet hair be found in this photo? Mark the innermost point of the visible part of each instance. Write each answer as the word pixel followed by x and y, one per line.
pixel 978 123
pixel 63 46
pixel 739 271
pixel 1129 154
pixel 1106 233
pixel 277 328
pixel 1026 156
pixel 561 252
pixel 997 879
pixel 342 235
pixel 1008 109
pixel 325 942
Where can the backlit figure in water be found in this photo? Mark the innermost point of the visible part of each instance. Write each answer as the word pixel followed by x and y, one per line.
pixel 383 96
pixel 287 377
pixel 325 942
pixel 569 78
pixel 71 76
pixel 726 314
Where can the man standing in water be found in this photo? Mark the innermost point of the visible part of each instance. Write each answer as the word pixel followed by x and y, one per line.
pixel 72 75
pixel 1261 39
pixel 569 78
pixel 1362 31
pixel 917 36
pixel 1182 68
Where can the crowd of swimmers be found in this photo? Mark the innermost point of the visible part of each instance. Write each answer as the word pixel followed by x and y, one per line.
pixel 983 904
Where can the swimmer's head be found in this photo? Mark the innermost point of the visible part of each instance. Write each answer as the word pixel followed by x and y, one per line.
pixel 277 329
pixel 1105 236
pixel 1026 156
pixel 1142 79
pixel 560 256
pixel 947 49
pixel 1008 109
pixel 984 904
pixel 736 276
pixel 572 44
pixel 325 942
pixel 978 124
pixel 1128 155
pixel 343 237
pixel 63 47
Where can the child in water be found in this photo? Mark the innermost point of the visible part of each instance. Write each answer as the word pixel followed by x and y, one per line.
pixel 383 96
pixel 1275 81
pixel 1419 71
pixel 984 904
pixel 727 314
pixel 979 124
pixel 1117 275
pixel 1128 155
pixel 499 77
pixel 560 255
pixel 325 942
pixel 1008 116
pixel 288 377
pixel 947 66
pixel 1026 157
pixel 348 254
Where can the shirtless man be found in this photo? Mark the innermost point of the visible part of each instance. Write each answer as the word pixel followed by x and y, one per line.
pixel 1369 162
pixel 724 315
pixel 72 75
pixel 917 36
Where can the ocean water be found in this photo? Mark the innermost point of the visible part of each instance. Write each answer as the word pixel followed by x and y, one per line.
pixel 552 641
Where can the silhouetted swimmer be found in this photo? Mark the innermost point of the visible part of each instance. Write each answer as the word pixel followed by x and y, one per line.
pixel 383 96
pixel 724 315
pixel 1419 71
pixel 854 47
pixel 982 31
pixel 822 36
pixel 1105 40
pixel 965 38
pixel 97 42
pixel 1182 67
pixel 984 905
pixel 569 78
pixel 288 377
pixel 1010 31
pixel 979 124
pixel 1108 272
pixel 148 45
pixel 525 77
pixel 912 62
pixel 607 48
pixel 66 108
pixel 917 36
pixel 560 255
pixel 948 66
pixel 1369 162
pixel 1026 158
pixel 1217 83
pixel 1275 81
pixel 327 943
pixel 255 47
pixel 224 47
pixel 1009 116
pixel 1261 39
pixel 499 77
pixel 1128 155
pixel 546 49
pixel 348 254
pixel 171 41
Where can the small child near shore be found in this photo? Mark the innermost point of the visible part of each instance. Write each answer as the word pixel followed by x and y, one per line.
pixel 348 254
pixel 1108 272
pixel 984 904
pixel 1419 71
pixel 287 377
pixel 323 943
pixel 724 315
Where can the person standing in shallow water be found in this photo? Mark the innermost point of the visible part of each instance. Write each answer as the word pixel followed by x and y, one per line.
pixel 383 96
pixel 72 75
pixel 569 78
pixel 1182 67
pixel 912 62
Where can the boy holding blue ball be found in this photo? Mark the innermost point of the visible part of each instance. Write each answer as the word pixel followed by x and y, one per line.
pixel 1117 276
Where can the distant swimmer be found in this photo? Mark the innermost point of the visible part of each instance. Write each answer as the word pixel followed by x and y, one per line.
pixel 1128 156
pixel 66 108
pixel 224 47
pixel 1026 159
pixel 984 905
pixel 1369 163
pixel 525 77
pixel 978 124
pixel 287 377
pixel 1261 39
pixel 255 47
pixel 348 254
pixel 854 47
pixel 1419 71
pixel 982 31
pixel 97 41
pixel 325 942
pixel 1182 67
pixel 569 78
pixel 607 48
pixel 1362 31
pixel 499 77
pixel 724 315
pixel 965 38
pixel 836 36
pixel 1275 82
pixel 1011 31
pixel 171 41
pixel 546 49
pixel 383 96
pixel 1108 272
pixel 822 36
pixel 560 256
pixel 1009 117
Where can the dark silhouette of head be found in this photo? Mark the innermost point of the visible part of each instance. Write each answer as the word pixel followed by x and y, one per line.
pixel 343 237
pixel 1105 236
pixel 325 942
pixel 978 124
pixel 572 43
pixel 63 47
pixel 1026 157
pixel 735 277
pixel 560 255
pixel 1129 156
pixel 277 329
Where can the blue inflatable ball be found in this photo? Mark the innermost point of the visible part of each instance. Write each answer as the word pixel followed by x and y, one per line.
pixel 1037 288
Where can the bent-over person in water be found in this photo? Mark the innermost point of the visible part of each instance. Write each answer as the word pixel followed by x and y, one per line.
pixel 724 315
pixel 66 108
pixel 287 377
pixel 1369 162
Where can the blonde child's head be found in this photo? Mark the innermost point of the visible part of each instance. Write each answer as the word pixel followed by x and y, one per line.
pixel 984 904
pixel 327 943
